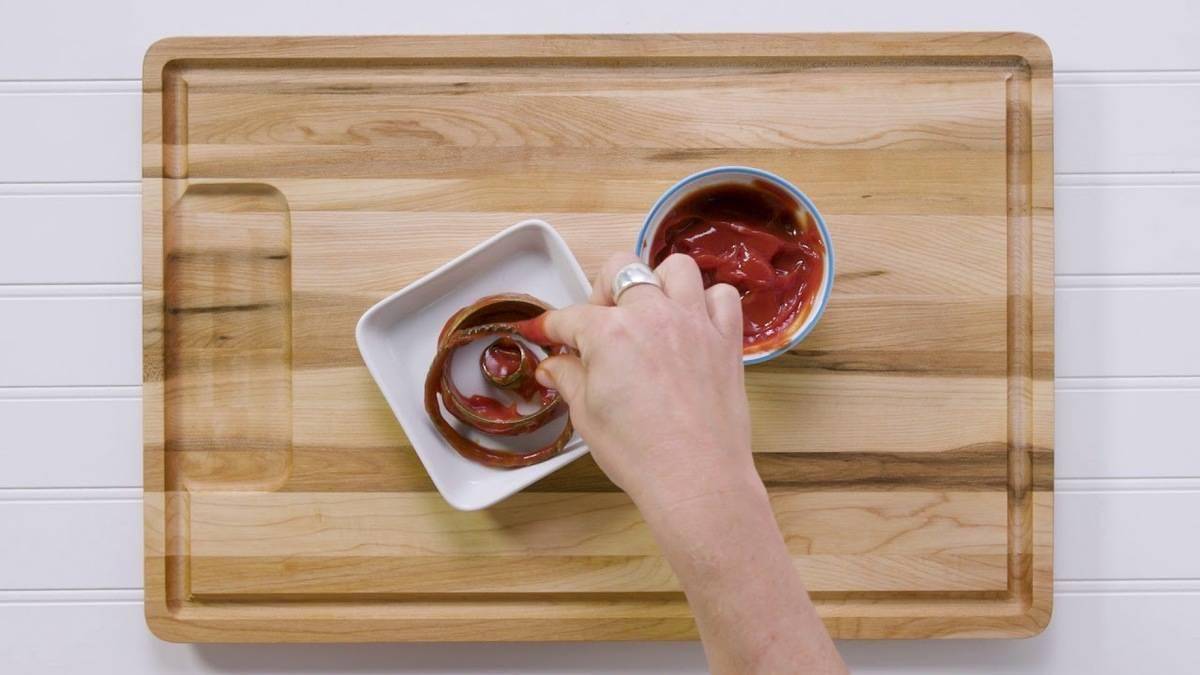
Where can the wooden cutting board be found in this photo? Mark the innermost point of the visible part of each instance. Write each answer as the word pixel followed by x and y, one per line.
pixel 290 183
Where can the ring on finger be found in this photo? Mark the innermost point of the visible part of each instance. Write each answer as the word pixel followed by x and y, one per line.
pixel 633 274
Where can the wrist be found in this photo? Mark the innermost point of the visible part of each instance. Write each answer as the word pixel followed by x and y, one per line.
pixel 713 537
pixel 692 502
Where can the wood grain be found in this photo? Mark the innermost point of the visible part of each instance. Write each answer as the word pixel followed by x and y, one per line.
pixel 290 183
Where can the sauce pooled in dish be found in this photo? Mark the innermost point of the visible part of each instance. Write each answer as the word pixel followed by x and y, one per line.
pixel 510 365
pixel 756 238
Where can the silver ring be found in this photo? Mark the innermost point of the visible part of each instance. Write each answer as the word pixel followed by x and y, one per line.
pixel 633 274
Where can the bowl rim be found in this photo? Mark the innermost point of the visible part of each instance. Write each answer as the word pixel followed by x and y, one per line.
pixel 815 315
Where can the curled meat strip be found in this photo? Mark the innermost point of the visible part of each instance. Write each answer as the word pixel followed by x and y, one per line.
pixel 506 363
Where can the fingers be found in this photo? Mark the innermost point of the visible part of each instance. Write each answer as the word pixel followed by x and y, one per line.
pixel 681 280
pixel 679 275
pixel 566 326
pixel 724 305
pixel 566 374
pixel 602 285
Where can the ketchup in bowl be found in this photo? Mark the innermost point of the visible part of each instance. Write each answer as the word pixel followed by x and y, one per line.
pixel 757 238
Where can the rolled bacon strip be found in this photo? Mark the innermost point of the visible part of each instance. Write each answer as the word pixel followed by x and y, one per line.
pixel 506 316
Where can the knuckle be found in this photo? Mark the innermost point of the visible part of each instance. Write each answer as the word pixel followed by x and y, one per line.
pixel 621 326
pixel 679 262
pixel 724 292
pixel 727 289
pixel 613 329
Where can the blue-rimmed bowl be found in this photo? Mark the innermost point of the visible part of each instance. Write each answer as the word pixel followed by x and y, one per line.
pixel 722 175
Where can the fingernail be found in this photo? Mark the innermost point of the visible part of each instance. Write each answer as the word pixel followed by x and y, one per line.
pixel 542 375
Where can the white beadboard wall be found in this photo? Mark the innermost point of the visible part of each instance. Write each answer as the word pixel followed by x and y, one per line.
pixel 1127 151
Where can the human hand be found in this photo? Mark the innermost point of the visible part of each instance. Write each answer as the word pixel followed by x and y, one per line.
pixel 657 390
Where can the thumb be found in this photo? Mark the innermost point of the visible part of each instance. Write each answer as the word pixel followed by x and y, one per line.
pixel 564 373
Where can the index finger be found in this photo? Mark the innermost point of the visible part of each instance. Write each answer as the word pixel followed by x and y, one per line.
pixel 564 326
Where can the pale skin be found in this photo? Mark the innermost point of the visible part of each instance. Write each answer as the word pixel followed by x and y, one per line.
pixel 657 392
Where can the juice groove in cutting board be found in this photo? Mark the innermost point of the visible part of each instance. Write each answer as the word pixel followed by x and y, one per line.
pixel 290 183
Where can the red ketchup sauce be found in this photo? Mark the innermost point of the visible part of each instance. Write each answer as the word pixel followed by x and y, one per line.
pixel 757 239
pixel 500 360
pixel 486 406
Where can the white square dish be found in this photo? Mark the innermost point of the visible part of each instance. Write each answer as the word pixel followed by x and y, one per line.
pixel 397 339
